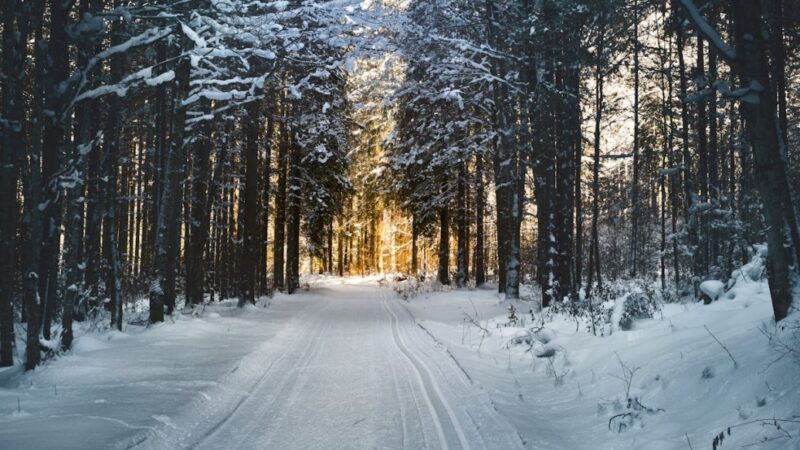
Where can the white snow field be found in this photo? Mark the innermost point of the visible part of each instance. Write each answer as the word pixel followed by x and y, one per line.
pixel 348 364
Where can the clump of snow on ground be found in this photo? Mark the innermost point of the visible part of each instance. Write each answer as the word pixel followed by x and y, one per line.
pixel 712 288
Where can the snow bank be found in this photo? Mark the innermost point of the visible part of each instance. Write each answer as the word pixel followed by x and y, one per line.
pixel 661 385
pixel 115 387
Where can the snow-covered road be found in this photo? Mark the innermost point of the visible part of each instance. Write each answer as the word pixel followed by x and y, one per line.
pixel 347 365
pixel 352 370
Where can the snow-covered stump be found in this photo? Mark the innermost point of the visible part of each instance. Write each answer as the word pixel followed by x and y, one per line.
pixel 711 290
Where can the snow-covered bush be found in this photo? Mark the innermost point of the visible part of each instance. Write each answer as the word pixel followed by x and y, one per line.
pixel 614 306
pixel 627 301
pixel 411 287
pixel 753 271
pixel 406 289
pixel 635 306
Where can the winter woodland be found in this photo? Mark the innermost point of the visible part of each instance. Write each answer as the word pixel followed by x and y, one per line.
pixel 490 224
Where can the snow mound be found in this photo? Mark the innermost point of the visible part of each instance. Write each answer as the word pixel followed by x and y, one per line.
pixel 713 289
pixel 88 343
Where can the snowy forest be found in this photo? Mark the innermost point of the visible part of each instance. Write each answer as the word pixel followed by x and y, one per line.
pixel 529 223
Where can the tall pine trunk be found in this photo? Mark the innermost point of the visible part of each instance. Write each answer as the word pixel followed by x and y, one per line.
pixel 599 105
pixel 462 257
pixel 752 68
pixel 12 147
pixel 293 218
pixel 443 274
pixel 169 196
pixel 52 159
pixel 479 263
pixel 249 256
pixel 200 216
pixel 279 233
pixel 635 206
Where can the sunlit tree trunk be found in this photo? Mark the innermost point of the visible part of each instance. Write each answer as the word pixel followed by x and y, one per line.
pixel 443 274
pixel 279 234
pixel 462 257
pixel 479 263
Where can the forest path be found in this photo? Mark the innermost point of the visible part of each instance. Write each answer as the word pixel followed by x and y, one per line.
pixel 351 370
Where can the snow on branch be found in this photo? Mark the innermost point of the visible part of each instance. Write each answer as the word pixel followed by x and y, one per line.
pixel 121 89
pixel 704 28
pixel 148 37
pixel 193 36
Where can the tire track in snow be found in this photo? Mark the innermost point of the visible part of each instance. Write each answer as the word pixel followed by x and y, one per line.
pixel 294 381
pixel 313 343
pixel 403 420
pixel 435 400
pixel 146 440
pixel 485 401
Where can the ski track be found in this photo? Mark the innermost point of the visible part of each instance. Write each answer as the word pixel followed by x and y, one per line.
pixel 307 350
pixel 435 402
pixel 353 370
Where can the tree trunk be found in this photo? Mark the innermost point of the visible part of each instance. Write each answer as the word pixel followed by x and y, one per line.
pixel 462 271
pixel 279 233
pixel 169 196
pixel 52 159
pixel 713 164
pixel 594 244
pixel 502 149
pixel 414 250
pixel 32 221
pixel 700 256
pixel 688 188
pixel 249 256
pixel 12 148
pixel 635 187
pixel 329 268
pixel 110 163
pixel 293 221
pixel 265 177
pixel 443 274
pixel 200 215
pixel 479 263
pixel 752 68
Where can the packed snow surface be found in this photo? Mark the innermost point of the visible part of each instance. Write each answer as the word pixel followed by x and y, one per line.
pixel 347 364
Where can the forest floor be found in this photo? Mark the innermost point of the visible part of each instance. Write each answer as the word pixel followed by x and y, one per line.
pixel 348 364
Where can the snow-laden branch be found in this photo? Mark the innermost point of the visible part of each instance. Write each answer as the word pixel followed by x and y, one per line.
pixel 726 51
pixel 148 37
pixel 121 89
